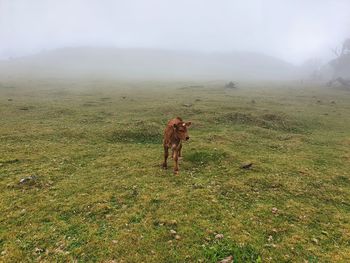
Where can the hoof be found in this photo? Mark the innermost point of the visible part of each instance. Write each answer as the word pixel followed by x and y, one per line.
pixel 176 172
pixel 164 166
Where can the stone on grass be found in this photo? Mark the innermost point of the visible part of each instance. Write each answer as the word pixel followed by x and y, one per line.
pixel 270 239
pixel 246 165
pixel 274 210
pixel 219 236
pixel 229 259
pixel 27 179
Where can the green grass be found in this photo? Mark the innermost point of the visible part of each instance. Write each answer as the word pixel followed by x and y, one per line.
pixel 99 194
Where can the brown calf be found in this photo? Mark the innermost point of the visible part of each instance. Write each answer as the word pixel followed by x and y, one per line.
pixel 175 132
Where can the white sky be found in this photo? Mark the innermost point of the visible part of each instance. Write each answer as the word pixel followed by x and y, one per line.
pixel 294 30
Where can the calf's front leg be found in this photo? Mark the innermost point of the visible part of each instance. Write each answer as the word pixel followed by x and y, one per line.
pixel 176 158
pixel 166 154
pixel 180 150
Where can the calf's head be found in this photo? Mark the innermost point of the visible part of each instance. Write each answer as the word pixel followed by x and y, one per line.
pixel 181 130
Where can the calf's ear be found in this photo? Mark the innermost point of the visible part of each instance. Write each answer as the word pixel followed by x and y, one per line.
pixel 188 124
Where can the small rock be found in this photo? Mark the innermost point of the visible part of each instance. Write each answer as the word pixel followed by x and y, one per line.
pixel 177 237
pixel 229 259
pixel 38 250
pixel 187 105
pixel 315 240
pixel 114 241
pixel 27 179
pixel 274 210
pixel 247 165
pixel 22 180
pixel 3 253
pixel 270 239
pixel 219 236
pixel 324 233
pixel 173 232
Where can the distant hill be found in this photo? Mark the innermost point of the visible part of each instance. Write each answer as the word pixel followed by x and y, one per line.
pixel 148 64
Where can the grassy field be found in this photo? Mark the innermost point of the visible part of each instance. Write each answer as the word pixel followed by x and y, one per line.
pixel 96 192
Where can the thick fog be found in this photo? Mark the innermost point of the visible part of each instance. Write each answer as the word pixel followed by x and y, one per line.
pixel 293 30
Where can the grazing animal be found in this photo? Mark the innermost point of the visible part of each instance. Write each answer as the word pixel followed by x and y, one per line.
pixel 175 132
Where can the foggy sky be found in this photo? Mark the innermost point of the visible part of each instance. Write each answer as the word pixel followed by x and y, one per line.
pixel 294 30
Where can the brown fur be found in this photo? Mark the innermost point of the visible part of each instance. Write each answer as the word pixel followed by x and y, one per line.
pixel 175 132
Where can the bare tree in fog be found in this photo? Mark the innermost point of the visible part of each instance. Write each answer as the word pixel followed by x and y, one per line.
pixel 346 46
pixel 341 65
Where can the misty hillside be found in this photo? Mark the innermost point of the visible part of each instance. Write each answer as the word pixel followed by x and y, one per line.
pixel 147 64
